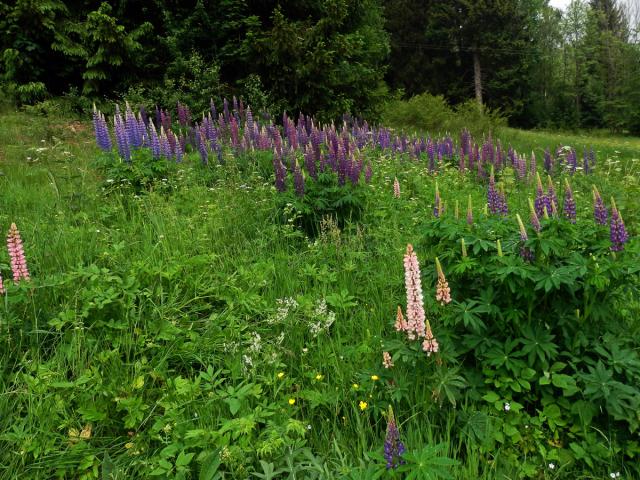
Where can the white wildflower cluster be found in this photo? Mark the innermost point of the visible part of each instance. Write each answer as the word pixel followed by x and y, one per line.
pixel 231 347
pixel 256 343
pixel 247 363
pixel 322 318
pixel 285 307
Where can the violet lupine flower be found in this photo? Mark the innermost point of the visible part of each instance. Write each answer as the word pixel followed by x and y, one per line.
pixel 469 212
pixel 396 188
pixel 430 344
pixel 165 119
pixel 16 254
pixel 309 161
pixel 493 198
pixel 548 162
pixel 155 141
pixel 249 121
pixel 572 161
pixel 600 212
pixel 525 252
pixel 201 143
pixel 387 361
pixel 551 195
pixel 585 161
pixel 142 114
pixel 177 148
pixel 541 201
pixel 431 155
pixel 121 138
pixel 280 172
pixel 523 231
pixel 132 128
pixel 437 206
pixel 165 146
pixel 368 173
pixel 184 115
pixel 101 130
pixel 298 181
pixel 535 221
pixel 393 446
pixel 569 207
pixel 502 202
pixel 443 292
pixel 413 285
pixel 618 234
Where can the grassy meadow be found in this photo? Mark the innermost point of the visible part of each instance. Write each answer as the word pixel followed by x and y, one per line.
pixel 193 330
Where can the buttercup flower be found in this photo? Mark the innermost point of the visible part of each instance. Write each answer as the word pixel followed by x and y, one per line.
pixel 363 405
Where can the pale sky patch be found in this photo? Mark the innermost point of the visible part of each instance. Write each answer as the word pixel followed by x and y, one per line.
pixel 561 4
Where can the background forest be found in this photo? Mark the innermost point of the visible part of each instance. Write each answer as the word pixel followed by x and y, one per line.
pixel 540 66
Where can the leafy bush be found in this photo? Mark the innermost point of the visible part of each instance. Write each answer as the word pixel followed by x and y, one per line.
pixel 432 113
pixel 323 198
pixel 544 342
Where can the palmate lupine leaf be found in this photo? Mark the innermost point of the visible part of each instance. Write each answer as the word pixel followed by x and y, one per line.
pixel 537 342
pixel 430 463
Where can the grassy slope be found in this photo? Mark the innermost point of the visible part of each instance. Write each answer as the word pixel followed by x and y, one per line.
pixel 213 264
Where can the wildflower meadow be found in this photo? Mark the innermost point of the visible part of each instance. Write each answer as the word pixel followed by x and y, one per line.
pixel 231 294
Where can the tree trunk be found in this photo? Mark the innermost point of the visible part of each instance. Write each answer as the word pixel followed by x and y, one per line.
pixel 477 75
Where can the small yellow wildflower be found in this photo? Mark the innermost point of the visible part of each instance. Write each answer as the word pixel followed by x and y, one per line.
pixel 281 375
pixel 363 405
pixel 128 445
pixel 356 386
pixel 375 378
pixel 292 401
pixel 319 377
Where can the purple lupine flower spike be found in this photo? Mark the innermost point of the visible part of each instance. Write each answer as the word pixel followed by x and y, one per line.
pixel 541 200
pixel 535 221
pixel 280 173
pixel 600 212
pixel 493 199
pixel 121 138
pixel 155 141
pixel 393 446
pixel 618 235
pixel 525 252
pixel 569 207
pixel 548 162
pixel 298 180
pixel 101 130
